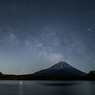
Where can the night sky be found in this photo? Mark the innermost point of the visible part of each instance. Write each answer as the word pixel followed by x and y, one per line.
pixel 36 34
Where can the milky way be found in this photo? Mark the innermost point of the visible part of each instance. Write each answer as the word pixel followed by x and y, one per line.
pixel 36 34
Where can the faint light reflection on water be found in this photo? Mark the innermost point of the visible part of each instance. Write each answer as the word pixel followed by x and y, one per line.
pixel 20 88
pixel 47 87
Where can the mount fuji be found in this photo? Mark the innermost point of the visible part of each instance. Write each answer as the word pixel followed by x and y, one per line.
pixel 60 69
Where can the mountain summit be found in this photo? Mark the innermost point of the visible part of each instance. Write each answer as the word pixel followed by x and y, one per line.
pixel 60 65
pixel 60 69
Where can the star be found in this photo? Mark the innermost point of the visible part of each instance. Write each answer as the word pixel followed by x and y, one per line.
pixel 35 34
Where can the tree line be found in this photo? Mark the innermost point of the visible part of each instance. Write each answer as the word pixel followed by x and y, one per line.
pixel 89 76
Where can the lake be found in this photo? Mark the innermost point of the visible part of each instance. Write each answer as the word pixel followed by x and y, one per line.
pixel 47 87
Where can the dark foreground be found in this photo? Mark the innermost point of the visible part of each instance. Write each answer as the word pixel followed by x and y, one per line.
pixel 89 76
pixel 28 77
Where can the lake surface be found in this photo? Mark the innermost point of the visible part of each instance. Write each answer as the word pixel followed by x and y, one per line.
pixel 47 87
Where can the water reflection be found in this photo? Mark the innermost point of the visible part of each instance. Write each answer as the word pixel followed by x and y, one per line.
pixel 20 88
pixel 21 82
pixel 47 88
pixel 59 84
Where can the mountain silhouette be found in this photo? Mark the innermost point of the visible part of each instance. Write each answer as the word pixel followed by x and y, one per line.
pixel 60 69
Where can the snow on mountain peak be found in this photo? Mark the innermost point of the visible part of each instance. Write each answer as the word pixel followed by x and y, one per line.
pixel 60 65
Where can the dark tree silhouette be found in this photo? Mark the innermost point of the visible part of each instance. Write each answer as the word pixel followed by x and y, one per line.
pixel 91 73
pixel 1 75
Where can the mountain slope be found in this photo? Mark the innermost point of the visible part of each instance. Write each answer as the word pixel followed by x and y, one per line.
pixel 61 69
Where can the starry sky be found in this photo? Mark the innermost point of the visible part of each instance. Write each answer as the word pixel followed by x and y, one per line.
pixel 36 34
